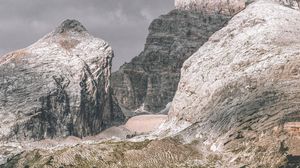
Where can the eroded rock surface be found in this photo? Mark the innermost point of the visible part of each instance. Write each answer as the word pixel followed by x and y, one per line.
pixel 59 86
pixel 156 153
pixel 240 91
pixel 148 83
pixel 227 7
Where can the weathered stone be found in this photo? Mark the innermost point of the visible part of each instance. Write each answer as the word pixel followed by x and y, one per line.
pixel 157 153
pixel 227 7
pixel 59 86
pixel 240 90
pixel 148 83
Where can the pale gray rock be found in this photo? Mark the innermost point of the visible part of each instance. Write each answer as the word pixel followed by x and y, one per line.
pixel 240 91
pixel 148 83
pixel 227 7
pixel 59 86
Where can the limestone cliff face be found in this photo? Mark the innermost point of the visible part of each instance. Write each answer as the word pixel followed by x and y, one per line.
pixel 149 81
pixel 240 91
pixel 227 7
pixel 59 86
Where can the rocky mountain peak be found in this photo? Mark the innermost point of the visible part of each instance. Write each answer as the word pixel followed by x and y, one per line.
pixel 148 83
pixel 239 86
pixel 227 7
pixel 70 25
pixel 58 87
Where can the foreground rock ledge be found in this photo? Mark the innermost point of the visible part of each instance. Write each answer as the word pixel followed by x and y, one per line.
pixel 59 86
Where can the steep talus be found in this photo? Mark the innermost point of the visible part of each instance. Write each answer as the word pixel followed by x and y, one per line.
pixel 240 91
pixel 148 83
pixel 59 86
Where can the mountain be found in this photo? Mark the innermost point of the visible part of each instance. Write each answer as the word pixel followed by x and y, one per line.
pixel 238 94
pixel 236 106
pixel 57 87
pixel 148 83
pixel 226 7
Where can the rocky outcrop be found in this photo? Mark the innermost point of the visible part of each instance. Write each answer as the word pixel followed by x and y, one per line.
pixel 59 86
pixel 240 91
pixel 148 83
pixel 227 7
pixel 157 153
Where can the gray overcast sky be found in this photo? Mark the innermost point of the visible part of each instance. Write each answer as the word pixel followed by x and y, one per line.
pixel 122 23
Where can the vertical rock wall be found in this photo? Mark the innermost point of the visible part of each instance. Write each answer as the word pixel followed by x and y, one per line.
pixel 59 86
pixel 148 83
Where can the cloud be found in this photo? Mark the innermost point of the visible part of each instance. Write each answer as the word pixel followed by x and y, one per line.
pixel 123 23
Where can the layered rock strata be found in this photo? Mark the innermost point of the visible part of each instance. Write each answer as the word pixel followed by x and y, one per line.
pixel 227 7
pixel 148 83
pixel 59 86
pixel 239 91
